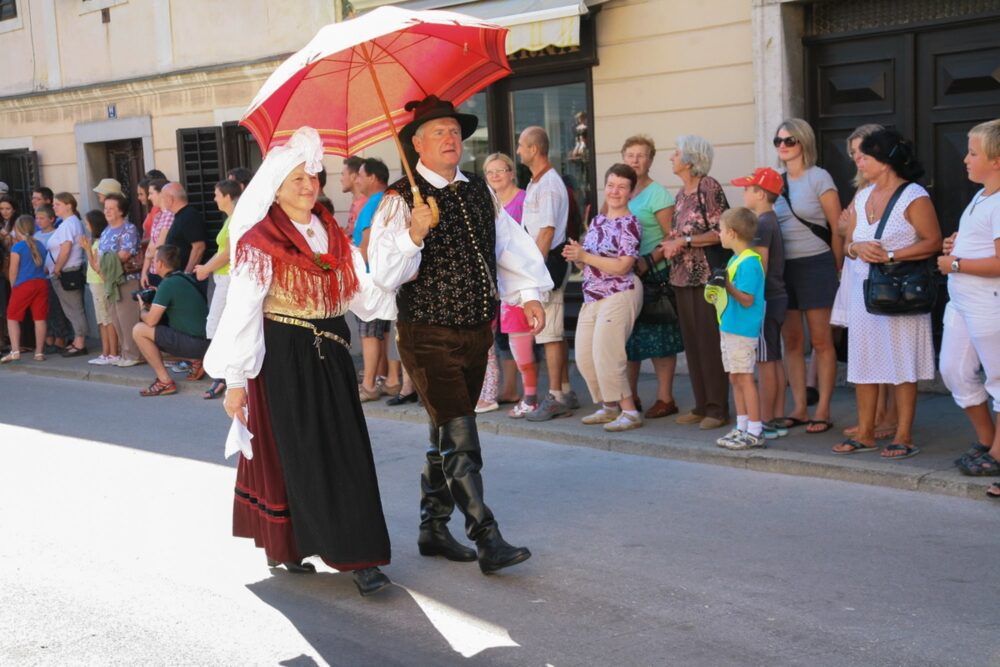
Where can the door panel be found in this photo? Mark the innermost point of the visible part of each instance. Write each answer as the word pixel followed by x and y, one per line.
pixel 125 164
pixel 959 88
pixel 851 83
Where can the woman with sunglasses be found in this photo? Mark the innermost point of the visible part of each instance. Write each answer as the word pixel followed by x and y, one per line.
pixel 807 211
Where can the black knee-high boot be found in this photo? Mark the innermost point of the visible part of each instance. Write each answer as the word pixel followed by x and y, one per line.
pixel 436 506
pixel 459 446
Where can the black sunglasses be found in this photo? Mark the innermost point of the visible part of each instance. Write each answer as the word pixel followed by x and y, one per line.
pixel 788 141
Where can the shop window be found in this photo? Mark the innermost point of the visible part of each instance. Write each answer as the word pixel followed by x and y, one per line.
pixel 477 147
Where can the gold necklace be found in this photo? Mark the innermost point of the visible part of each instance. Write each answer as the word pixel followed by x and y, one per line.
pixel 870 206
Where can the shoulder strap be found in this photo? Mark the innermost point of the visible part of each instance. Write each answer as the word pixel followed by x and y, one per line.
pixel 193 284
pixel 888 210
pixel 820 231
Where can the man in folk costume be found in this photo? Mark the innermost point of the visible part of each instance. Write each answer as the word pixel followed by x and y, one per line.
pixel 308 487
pixel 448 267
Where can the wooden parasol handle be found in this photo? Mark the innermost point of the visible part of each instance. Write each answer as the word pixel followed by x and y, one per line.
pixel 418 200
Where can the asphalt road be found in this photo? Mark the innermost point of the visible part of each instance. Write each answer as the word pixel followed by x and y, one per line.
pixel 115 549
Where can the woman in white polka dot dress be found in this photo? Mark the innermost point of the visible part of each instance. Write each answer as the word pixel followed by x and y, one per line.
pixel 897 349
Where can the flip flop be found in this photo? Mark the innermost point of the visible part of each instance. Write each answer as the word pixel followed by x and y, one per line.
pixel 789 422
pixel 826 426
pixel 909 450
pixel 993 491
pixel 855 447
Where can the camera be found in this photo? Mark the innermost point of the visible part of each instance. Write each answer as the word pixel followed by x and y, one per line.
pixel 145 296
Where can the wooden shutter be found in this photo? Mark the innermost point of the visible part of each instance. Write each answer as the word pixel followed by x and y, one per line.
pixel 19 170
pixel 199 153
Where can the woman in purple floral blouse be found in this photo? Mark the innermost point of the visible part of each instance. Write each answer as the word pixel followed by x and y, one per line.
pixel 699 205
pixel 612 298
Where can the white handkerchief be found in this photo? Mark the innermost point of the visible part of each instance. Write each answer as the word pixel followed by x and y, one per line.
pixel 238 439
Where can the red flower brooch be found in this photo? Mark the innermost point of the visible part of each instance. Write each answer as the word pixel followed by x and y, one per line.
pixel 325 261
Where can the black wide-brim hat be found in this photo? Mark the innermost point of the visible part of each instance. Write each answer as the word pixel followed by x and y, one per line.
pixel 432 108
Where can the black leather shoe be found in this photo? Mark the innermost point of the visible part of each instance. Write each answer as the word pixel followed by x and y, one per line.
pixel 400 399
pixel 495 554
pixel 293 567
pixel 370 580
pixel 438 541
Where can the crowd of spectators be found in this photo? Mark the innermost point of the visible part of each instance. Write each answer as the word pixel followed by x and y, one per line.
pixel 757 294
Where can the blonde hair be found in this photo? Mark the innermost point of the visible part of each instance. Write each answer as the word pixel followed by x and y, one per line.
pixel 861 132
pixel 502 157
pixel 640 140
pixel 989 134
pixel 742 221
pixel 25 226
pixel 803 132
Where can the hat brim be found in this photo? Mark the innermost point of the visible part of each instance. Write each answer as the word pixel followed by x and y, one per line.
pixel 466 121
pixel 741 182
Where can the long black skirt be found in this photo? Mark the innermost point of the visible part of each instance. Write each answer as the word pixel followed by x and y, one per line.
pixel 323 445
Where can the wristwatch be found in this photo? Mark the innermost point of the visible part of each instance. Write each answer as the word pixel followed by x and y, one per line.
pixel 687 239
pixel 954 265
pixel 892 256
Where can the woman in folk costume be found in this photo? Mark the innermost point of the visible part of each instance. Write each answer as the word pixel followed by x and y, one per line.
pixel 309 487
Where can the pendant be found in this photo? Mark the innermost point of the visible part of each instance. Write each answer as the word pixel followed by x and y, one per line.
pixel 310 233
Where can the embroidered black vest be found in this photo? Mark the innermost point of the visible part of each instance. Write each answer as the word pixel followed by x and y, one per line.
pixel 456 284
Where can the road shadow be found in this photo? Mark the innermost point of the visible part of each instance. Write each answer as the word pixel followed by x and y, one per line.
pixel 388 629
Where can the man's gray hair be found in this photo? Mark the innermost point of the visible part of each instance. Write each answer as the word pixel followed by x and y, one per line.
pixel 697 152
pixel 175 190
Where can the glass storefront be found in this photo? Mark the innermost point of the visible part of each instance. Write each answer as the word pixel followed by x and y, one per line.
pixel 477 147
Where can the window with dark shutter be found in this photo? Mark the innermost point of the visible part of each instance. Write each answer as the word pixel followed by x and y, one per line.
pixel 8 10
pixel 241 150
pixel 200 154
pixel 19 170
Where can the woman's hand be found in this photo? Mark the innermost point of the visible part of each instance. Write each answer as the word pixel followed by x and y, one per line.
pixel 672 247
pixel 871 252
pixel 84 242
pixel 202 272
pixel 574 252
pixel 235 403
pixel 949 244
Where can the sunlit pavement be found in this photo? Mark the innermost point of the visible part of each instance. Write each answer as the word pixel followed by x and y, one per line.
pixel 115 549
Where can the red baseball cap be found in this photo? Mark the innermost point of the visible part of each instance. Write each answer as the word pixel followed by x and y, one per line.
pixel 763 177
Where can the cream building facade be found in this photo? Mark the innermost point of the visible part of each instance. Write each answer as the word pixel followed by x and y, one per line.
pixel 95 88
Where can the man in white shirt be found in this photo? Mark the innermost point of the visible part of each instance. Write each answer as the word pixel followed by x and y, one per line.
pixel 546 213
pixel 447 272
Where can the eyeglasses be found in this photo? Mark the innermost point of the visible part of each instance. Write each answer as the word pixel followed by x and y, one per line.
pixel 788 141
pixel 496 172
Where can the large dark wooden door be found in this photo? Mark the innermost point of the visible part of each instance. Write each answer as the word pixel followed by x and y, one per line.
pixel 933 84
pixel 126 165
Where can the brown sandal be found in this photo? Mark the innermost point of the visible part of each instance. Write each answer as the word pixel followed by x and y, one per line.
pixel 197 371
pixel 159 389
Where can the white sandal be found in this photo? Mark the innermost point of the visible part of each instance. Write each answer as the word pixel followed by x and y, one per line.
pixel 10 356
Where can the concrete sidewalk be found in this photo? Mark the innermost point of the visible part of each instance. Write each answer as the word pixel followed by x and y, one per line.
pixel 941 431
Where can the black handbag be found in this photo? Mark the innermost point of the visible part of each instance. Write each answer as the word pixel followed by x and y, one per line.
pixel 72 281
pixel 899 288
pixel 557 265
pixel 658 300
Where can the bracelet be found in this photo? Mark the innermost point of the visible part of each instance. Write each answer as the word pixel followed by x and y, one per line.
pixel 850 254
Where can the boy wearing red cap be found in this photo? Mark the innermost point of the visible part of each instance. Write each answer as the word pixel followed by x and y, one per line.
pixel 761 189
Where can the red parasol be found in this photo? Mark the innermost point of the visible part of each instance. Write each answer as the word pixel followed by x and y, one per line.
pixel 353 79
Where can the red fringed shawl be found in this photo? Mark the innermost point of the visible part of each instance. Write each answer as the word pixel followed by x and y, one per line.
pixel 294 267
